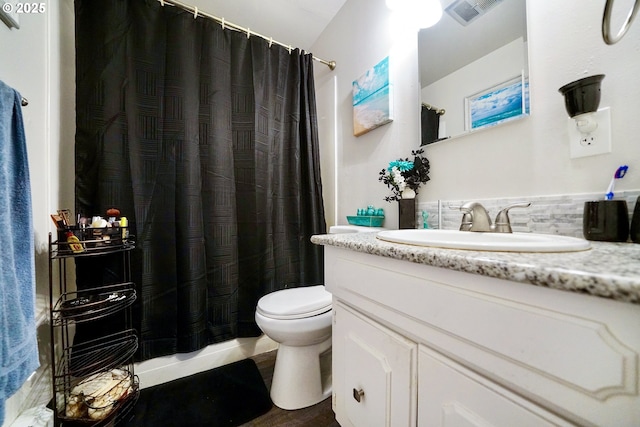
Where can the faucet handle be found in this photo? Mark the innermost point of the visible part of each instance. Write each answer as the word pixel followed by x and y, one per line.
pixel 503 224
pixel 467 218
pixel 475 217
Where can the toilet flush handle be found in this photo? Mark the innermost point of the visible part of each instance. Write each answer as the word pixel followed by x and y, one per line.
pixel 358 394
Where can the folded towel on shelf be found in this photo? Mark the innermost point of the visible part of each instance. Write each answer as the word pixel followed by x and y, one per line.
pixel 18 338
pixel 430 124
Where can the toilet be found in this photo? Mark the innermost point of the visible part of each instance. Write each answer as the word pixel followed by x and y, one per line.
pixel 299 320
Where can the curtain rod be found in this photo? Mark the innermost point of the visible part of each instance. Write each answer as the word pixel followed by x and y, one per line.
pixel 439 111
pixel 227 24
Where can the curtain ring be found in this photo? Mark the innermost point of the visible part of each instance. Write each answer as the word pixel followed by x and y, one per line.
pixel 161 3
pixel 270 41
pixel 248 33
pixel 289 49
pixel 195 12
pixel 222 23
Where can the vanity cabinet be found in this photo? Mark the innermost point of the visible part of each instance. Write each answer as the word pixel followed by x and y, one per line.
pixel 476 351
pixel 94 383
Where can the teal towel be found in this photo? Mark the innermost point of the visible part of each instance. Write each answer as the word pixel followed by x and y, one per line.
pixel 18 339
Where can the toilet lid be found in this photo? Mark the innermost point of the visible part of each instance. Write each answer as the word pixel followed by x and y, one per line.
pixel 295 303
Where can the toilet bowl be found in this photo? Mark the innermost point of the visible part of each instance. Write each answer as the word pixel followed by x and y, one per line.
pixel 299 319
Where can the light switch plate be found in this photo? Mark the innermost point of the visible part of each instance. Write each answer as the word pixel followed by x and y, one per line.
pixel 593 143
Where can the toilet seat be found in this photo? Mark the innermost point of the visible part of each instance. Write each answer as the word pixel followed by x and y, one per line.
pixel 295 303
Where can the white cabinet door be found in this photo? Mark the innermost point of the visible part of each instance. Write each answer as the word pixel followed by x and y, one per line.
pixel 374 373
pixel 450 395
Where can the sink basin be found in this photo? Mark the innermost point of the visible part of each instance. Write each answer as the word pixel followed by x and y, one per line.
pixel 502 242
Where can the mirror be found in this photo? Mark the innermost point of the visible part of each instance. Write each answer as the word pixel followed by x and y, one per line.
pixel 474 68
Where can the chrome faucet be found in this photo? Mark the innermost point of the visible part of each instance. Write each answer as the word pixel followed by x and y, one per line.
pixel 476 218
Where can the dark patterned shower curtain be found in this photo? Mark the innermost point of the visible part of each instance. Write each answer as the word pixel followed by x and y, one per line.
pixel 207 141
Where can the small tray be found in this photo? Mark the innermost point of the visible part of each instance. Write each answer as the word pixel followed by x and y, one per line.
pixel 92 238
pixel 366 221
pixel 94 303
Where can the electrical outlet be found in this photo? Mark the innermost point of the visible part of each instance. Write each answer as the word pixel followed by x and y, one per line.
pixel 595 142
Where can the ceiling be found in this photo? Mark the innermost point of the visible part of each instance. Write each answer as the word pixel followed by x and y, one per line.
pixel 298 23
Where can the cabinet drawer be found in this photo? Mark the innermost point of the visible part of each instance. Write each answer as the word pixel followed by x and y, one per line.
pixel 450 395
pixel 374 373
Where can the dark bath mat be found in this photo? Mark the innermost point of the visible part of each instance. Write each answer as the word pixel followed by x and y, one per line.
pixel 227 396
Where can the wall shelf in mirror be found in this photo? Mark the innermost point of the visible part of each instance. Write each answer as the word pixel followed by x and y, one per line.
pixel 458 62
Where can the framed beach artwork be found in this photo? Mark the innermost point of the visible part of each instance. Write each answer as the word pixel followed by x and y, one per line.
pixel 372 100
pixel 504 102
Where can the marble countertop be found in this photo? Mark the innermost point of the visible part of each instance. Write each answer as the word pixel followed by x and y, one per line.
pixel 608 270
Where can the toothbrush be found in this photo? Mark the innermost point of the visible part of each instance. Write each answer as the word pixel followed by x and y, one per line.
pixel 620 172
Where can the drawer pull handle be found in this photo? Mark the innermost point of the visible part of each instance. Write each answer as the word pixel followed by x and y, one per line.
pixel 358 394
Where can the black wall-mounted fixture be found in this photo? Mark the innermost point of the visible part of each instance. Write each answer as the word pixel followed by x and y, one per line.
pixel 582 97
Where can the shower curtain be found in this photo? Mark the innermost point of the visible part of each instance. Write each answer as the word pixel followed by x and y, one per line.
pixel 206 140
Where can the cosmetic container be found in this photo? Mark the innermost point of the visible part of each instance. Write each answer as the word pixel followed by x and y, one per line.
pixel 606 221
pixel 635 222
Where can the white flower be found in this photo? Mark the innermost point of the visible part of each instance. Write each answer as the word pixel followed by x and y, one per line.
pixel 398 179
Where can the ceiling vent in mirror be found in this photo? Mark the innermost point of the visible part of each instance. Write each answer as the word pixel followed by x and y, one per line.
pixel 466 11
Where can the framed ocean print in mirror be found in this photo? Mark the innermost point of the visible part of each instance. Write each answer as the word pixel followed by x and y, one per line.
pixel 504 102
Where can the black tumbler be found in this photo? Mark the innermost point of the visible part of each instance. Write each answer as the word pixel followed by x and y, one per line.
pixel 635 222
pixel 606 221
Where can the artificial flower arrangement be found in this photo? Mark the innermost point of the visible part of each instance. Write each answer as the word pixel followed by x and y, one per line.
pixel 405 176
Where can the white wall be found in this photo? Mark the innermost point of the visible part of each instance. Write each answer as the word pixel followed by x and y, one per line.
pixel 38 61
pixel 358 38
pixel 524 158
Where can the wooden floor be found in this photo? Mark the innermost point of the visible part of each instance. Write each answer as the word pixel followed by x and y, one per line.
pixel 319 415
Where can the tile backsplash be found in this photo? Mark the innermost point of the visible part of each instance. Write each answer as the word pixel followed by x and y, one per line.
pixel 560 214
